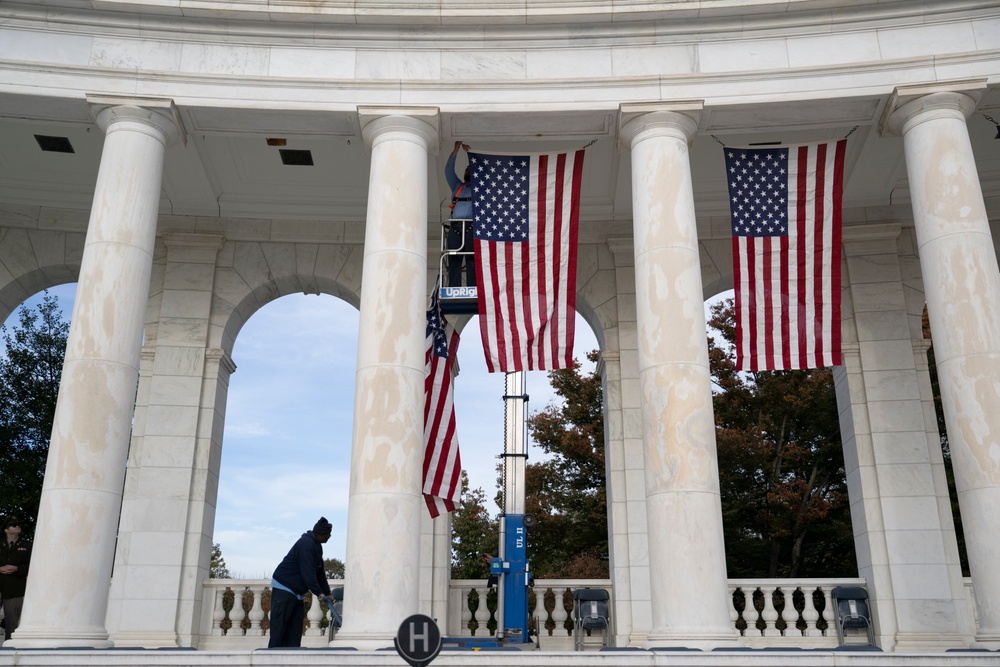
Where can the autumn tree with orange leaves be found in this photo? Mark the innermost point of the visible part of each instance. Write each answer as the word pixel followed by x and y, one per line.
pixel 781 466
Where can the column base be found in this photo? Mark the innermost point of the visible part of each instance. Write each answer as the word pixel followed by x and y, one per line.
pixel 145 640
pixel 363 642
pixel 26 638
pixel 910 643
pixel 988 638
pixel 692 639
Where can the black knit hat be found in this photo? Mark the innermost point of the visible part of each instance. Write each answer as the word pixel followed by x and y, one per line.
pixel 322 527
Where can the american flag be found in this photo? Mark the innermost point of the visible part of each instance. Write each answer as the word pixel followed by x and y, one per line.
pixel 526 211
pixel 442 465
pixel 786 214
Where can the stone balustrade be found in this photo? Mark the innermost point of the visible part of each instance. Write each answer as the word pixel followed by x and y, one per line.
pixel 764 612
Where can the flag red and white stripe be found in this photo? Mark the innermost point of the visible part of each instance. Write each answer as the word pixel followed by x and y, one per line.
pixel 442 474
pixel 526 216
pixel 786 209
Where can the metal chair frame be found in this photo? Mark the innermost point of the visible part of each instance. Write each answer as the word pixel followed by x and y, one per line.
pixel 851 610
pixel 591 611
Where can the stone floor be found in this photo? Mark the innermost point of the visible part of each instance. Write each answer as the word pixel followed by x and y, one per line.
pixel 490 658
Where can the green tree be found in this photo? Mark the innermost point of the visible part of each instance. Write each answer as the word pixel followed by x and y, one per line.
pixel 474 533
pixel 781 466
pixel 217 568
pixel 949 469
pixel 334 568
pixel 29 385
pixel 566 491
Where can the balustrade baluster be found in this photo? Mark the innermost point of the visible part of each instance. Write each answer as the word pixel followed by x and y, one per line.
pixel 828 615
pixel 219 613
pixel 789 616
pixel 256 613
pixel 541 612
pixel 240 613
pixel 810 614
pixel 734 614
pixel 769 614
pixel 466 612
pixel 559 613
pixel 480 614
pixel 315 616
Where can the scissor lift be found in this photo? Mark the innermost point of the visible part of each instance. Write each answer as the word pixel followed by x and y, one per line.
pixel 456 296
pixel 461 298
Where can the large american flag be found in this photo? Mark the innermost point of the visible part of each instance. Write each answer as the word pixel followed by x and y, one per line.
pixel 442 465
pixel 526 211
pixel 786 213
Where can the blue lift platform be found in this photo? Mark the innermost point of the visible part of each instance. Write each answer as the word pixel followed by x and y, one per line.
pixel 459 296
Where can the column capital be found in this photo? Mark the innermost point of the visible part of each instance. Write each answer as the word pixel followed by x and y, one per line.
pixel 417 124
pixel 858 239
pixel 851 350
pixel 623 248
pixel 605 358
pixel 159 115
pixel 219 360
pixel 912 105
pixel 637 122
pixel 921 346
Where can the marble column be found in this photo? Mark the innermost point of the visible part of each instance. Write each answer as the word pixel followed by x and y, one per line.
pixel 687 565
pixel 962 284
pixel 67 597
pixel 384 516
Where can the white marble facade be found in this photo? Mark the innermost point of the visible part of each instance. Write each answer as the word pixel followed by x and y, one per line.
pixel 179 222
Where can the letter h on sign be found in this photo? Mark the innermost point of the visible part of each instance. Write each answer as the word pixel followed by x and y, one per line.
pixel 418 640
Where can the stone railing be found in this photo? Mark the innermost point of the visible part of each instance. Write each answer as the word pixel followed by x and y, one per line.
pixel 764 612
pixel 472 609
pixel 785 612
pixel 237 611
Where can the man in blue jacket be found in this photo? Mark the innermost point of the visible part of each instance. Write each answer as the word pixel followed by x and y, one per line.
pixel 300 571
pixel 460 225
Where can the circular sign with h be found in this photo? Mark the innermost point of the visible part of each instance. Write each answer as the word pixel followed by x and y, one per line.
pixel 418 640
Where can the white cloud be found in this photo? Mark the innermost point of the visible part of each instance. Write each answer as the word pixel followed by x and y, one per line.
pixel 249 430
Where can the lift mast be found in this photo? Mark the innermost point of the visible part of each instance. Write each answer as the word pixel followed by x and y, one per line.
pixel 511 567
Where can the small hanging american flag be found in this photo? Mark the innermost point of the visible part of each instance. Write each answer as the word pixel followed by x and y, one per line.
pixel 442 464
pixel 786 214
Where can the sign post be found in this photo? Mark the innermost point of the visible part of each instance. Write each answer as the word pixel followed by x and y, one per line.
pixel 418 640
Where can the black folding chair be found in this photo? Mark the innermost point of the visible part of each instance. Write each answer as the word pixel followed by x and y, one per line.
pixel 336 605
pixel 591 611
pixel 850 605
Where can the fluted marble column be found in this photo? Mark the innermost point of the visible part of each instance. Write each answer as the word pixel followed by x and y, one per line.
pixel 962 285
pixel 67 597
pixel 383 527
pixel 687 566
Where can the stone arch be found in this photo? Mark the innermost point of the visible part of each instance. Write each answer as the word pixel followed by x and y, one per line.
pixel 596 298
pixel 251 274
pixel 175 459
pixel 32 260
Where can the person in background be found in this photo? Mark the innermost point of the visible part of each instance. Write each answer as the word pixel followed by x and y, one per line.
pixel 301 570
pixel 15 552
pixel 461 221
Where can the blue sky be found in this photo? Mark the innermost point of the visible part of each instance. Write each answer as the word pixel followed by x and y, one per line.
pixel 286 445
